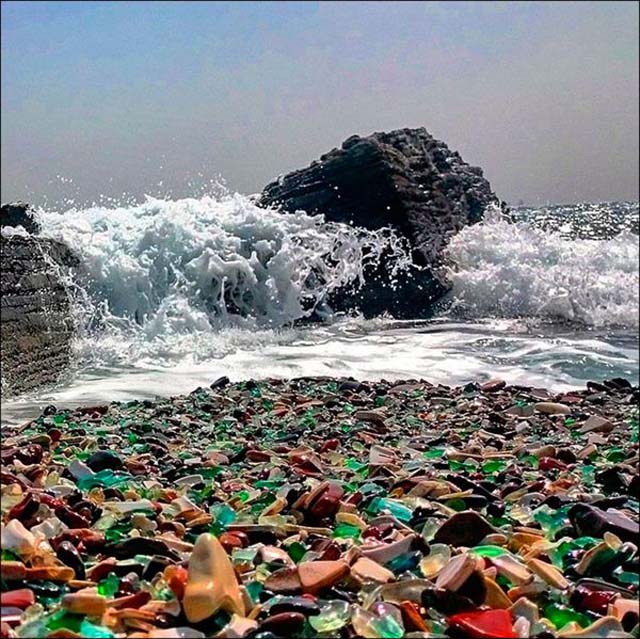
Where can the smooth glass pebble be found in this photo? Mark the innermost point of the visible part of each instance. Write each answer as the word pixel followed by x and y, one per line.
pixel 346 531
pixel 88 629
pixel 333 616
pixel 109 586
pixel 61 619
pixel 489 551
pixel 485 624
pixel 387 627
pixel 438 557
pixel 561 615
pixel 375 626
pixel 404 562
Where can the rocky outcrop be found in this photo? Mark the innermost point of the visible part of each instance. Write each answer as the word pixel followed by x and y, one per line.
pixel 36 324
pixel 19 214
pixel 405 179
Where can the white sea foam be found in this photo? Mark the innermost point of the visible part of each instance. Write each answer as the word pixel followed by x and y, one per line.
pixel 168 281
pixel 502 269
pixel 13 231
pixel 199 276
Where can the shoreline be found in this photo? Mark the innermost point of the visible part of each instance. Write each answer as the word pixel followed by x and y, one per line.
pixel 594 392
pixel 407 485
pixel 448 353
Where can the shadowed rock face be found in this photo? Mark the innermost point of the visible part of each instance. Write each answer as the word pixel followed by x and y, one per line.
pixel 405 179
pixel 19 214
pixel 36 326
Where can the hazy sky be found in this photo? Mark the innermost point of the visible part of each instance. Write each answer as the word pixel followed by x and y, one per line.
pixel 119 97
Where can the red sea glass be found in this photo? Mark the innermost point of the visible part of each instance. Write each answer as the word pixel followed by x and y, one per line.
pixel 21 598
pixel 484 624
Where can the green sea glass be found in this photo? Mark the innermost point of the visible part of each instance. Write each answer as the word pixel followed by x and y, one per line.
pixel 62 619
pixel 493 466
pixel 456 504
pixel 396 508
pixel 271 484
pixel 104 479
pixel 616 455
pixel 626 577
pixel 489 551
pixel 108 587
pixel 561 615
pixel 347 531
pixel 296 551
pixel 88 629
pixel 387 628
pixel 551 520
pixel 254 588
pixel 223 516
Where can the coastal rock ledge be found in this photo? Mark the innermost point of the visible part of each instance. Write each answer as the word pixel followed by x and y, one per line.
pixel 36 324
pixel 404 179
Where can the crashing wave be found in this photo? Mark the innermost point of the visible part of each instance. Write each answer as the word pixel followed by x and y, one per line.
pixel 164 269
pixel 516 270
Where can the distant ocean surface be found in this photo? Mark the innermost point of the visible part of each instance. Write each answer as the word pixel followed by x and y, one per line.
pixel 549 299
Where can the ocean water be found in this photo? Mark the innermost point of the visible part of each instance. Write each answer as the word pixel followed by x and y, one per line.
pixel 174 294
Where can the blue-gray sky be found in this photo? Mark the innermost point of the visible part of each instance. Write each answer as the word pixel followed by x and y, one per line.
pixel 119 97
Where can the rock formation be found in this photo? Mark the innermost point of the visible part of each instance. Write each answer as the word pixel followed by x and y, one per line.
pixel 35 320
pixel 405 179
pixel 19 214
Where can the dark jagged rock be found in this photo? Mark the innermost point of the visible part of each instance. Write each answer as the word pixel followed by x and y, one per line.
pixel 36 325
pixel 405 179
pixel 19 214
